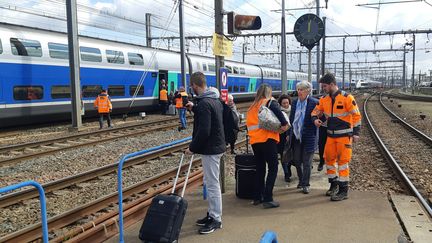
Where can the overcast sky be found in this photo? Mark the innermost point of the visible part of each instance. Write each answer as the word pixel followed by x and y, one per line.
pixel 343 17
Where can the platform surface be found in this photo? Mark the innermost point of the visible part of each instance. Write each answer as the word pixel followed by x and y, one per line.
pixel 364 217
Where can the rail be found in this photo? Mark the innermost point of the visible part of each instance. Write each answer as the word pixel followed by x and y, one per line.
pixel 393 161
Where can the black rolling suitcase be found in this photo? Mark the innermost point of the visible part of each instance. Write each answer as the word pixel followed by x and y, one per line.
pixel 245 172
pixel 165 215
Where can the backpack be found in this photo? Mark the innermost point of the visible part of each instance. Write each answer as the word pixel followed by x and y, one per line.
pixel 230 123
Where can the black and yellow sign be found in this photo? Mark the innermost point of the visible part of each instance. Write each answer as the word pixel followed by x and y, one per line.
pixel 221 46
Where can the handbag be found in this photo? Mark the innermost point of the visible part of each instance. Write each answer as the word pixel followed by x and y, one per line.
pixel 268 120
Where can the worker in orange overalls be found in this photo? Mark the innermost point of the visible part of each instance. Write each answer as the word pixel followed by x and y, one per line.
pixel 343 118
pixel 163 99
pixel 104 107
pixel 181 99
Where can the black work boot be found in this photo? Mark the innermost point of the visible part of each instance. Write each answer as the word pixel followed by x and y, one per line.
pixel 343 192
pixel 333 188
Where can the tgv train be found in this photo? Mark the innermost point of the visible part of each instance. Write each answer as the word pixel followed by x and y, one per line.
pixel 35 81
pixel 368 84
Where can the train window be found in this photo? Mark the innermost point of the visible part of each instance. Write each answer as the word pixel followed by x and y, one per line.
pixel 116 90
pixel 230 88
pixel 1 47
pixel 115 56
pixel 242 88
pixel 236 69
pixel 28 92
pixel 235 88
pixel 90 54
pixel 204 66
pixel 91 90
pixel 60 91
pixel 57 50
pixel 242 71
pixel 23 47
pixel 133 88
pixel 211 67
pixel 135 59
pixel 229 68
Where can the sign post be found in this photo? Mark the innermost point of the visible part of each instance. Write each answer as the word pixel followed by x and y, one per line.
pixel 224 84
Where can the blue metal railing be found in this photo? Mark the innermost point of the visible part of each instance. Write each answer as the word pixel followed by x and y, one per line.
pixel 120 180
pixel 41 199
pixel 269 237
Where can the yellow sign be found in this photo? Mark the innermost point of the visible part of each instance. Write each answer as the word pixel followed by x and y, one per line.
pixel 221 46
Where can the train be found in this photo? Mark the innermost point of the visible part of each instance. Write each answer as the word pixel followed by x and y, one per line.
pixel 368 84
pixel 35 81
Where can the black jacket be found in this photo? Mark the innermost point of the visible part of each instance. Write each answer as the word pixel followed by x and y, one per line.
pixel 208 131
pixel 230 123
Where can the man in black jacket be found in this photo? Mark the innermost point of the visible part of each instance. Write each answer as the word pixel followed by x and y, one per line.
pixel 208 140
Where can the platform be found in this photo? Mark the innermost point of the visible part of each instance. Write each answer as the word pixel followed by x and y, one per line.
pixel 364 217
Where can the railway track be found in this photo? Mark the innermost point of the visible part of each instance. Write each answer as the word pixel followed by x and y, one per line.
pixel 137 199
pixel 15 153
pixel 400 158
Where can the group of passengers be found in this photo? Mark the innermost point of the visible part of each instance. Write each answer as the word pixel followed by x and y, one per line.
pixel 295 140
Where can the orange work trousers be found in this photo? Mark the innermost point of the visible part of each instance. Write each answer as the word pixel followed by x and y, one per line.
pixel 338 152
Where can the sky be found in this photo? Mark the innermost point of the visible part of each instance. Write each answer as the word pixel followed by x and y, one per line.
pixel 124 20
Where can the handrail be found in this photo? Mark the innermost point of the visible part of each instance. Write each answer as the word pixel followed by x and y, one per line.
pixel 120 180
pixel 269 237
pixel 41 199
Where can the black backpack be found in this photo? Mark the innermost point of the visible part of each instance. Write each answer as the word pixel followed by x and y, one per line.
pixel 230 123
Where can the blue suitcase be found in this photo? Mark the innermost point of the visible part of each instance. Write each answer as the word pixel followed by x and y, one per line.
pixel 165 215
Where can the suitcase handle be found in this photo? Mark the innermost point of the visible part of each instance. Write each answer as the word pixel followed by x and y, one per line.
pixel 178 174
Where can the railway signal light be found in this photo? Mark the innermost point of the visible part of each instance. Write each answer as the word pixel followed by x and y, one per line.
pixel 237 23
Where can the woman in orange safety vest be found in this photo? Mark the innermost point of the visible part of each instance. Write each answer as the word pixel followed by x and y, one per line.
pixel 264 145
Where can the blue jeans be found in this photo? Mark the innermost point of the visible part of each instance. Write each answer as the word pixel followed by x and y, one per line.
pixel 182 116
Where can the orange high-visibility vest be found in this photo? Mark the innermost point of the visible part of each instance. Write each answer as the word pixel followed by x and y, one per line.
pixel 256 134
pixel 342 113
pixel 163 95
pixel 179 101
pixel 103 103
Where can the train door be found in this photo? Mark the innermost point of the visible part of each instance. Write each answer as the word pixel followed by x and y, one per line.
pixel 162 79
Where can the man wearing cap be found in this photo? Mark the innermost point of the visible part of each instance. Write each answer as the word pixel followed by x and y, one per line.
pixel 343 118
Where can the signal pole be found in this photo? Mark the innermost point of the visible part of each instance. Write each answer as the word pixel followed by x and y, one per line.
pixel 283 50
pixel 74 63
pixel 182 47
pixel 413 68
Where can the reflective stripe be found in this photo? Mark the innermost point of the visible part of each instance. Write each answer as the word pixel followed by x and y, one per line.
pixel 354 111
pixel 342 131
pixel 330 167
pixel 331 176
pixel 340 114
pixel 251 128
pixel 343 178
pixel 343 167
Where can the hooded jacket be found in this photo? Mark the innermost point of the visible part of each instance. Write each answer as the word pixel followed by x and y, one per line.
pixel 208 131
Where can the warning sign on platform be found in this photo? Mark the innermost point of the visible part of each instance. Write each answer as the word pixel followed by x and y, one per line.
pixel 221 46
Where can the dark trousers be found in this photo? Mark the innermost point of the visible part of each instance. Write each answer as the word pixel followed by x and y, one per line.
pixel 101 116
pixel 321 143
pixel 163 106
pixel 265 153
pixel 303 161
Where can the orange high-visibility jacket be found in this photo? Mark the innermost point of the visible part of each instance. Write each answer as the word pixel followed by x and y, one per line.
pixel 103 103
pixel 163 95
pixel 181 100
pixel 341 112
pixel 256 134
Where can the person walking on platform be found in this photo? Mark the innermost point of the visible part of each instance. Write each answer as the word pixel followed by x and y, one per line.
pixel 181 99
pixel 303 134
pixel 163 100
pixel 264 145
pixel 231 123
pixel 208 140
pixel 343 127
pixel 285 105
pixel 104 107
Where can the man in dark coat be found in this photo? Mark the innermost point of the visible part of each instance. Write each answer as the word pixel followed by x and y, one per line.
pixel 208 140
